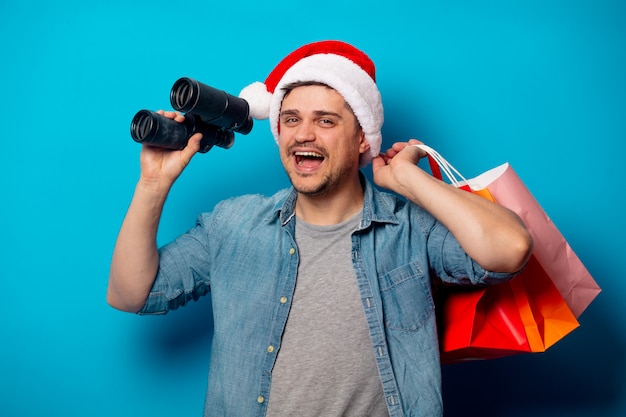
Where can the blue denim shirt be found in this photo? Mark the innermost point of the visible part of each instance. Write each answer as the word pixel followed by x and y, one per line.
pixel 244 255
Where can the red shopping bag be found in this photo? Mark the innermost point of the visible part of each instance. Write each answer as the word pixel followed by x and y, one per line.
pixel 526 314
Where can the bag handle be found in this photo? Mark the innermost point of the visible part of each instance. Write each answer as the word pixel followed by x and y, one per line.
pixel 438 163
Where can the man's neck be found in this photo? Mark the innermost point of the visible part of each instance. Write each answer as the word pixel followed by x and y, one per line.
pixel 332 208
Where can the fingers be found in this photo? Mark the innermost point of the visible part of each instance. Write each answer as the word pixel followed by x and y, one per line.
pixel 379 161
pixel 194 142
pixel 192 147
pixel 172 115
pixel 398 147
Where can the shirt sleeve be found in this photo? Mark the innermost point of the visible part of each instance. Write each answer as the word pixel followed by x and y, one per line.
pixel 183 273
pixel 453 265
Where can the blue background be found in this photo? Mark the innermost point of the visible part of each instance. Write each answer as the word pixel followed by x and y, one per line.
pixel 540 84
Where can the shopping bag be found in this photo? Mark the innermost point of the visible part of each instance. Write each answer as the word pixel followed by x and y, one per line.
pixel 565 269
pixel 526 314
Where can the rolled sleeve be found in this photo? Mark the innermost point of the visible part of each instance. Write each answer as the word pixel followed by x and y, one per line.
pixel 454 266
pixel 183 273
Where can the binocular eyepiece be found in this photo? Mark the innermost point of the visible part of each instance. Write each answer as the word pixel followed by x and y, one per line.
pixel 214 113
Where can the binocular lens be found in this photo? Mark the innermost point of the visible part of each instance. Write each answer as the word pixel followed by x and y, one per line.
pixel 142 126
pixel 182 94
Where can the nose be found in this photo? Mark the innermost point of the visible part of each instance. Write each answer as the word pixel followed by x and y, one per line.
pixel 305 132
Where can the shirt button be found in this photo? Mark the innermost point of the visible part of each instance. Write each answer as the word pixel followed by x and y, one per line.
pixel 270 348
pixel 292 251
pixel 283 299
pixel 260 399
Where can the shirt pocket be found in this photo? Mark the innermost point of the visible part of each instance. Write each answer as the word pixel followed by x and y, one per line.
pixel 407 298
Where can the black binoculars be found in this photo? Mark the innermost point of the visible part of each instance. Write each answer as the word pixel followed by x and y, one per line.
pixel 214 113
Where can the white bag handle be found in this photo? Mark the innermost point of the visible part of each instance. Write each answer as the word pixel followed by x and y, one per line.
pixel 445 166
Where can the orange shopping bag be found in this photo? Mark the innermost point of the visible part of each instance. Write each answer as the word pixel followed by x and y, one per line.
pixel 526 314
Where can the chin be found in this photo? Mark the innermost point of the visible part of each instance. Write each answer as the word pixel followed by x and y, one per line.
pixel 309 187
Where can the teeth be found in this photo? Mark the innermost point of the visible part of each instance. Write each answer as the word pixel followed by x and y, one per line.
pixel 309 154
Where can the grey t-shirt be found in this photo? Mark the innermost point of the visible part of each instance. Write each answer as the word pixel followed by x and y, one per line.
pixel 326 364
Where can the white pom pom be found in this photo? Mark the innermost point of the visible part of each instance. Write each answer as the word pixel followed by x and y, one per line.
pixel 258 99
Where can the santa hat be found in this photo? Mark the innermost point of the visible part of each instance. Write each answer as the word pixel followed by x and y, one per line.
pixel 337 64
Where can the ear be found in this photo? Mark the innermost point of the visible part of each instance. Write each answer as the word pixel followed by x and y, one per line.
pixel 364 145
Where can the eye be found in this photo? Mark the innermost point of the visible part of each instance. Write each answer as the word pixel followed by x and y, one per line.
pixel 290 120
pixel 326 122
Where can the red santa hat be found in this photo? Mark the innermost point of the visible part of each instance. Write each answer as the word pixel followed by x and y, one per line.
pixel 337 64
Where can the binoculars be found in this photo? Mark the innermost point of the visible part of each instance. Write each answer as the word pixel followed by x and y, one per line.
pixel 214 113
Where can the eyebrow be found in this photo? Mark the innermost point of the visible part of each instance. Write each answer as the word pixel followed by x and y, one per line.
pixel 317 113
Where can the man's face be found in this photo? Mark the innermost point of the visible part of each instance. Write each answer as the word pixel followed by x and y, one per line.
pixel 320 142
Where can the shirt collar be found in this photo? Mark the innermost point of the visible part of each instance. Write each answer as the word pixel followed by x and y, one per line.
pixel 376 206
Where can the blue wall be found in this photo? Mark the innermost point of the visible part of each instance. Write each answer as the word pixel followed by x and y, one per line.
pixel 540 84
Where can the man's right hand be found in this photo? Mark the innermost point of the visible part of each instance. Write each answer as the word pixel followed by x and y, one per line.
pixel 161 167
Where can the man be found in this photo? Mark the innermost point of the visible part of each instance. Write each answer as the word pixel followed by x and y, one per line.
pixel 322 300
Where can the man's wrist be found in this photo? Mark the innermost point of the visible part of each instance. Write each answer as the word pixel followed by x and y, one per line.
pixel 153 188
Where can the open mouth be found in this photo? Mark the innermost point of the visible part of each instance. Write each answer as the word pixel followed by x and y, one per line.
pixel 308 159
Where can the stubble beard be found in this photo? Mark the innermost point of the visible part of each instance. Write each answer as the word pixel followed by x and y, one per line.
pixel 325 186
pixel 315 190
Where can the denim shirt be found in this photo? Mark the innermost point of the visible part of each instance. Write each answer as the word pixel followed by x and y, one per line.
pixel 244 255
